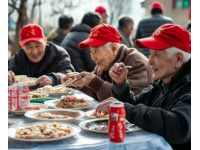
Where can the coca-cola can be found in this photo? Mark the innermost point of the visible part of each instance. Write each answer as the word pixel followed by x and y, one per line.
pixel 13 101
pixel 23 95
pixel 117 122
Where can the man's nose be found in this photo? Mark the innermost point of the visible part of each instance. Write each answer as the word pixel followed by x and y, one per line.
pixel 34 50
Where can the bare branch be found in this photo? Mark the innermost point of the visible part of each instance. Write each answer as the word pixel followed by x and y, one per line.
pixel 13 6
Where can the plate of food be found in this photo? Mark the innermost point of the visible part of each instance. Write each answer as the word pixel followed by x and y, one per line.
pixel 93 114
pixel 42 132
pixel 32 106
pixel 38 95
pixel 55 115
pixel 29 80
pixel 48 89
pixel 101 126
pixel 70 102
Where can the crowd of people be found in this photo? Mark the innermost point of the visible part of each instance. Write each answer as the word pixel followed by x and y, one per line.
pixel 155 89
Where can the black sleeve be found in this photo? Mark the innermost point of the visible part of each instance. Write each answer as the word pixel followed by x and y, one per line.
pixel 124 94
pixel 76 57
pixel 173 125
pixel 14 65
pixel 64 66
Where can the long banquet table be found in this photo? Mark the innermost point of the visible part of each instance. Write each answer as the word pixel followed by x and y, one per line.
pixel 85 140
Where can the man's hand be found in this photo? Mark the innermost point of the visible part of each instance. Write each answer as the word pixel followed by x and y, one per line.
pixel 11 76
pixel 87 77
pixel 68 76
pixel 118 73
pixel 43 80
pixel 105 105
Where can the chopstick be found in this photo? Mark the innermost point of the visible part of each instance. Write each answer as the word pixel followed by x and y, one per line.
pixel 127 67
pixel 63 84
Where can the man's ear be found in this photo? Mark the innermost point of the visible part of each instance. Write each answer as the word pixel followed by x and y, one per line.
pixel 114 48
pixel 45 39
pixel 179 60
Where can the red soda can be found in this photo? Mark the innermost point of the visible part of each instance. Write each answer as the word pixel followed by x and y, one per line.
pixel 117 122
pixel 23 95
pixel 13 102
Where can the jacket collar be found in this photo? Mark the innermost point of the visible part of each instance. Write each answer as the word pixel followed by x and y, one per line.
pixel 182 76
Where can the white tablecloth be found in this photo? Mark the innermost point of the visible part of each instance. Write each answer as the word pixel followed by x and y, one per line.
pixel 85 140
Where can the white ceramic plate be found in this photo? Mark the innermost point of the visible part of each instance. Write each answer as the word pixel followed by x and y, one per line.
pixel 88 113
pixel 43 95
pixel 75 114
pixel 52 104
pixel 42 106
pixel 85 125
pixel 56 94
pixel 12 132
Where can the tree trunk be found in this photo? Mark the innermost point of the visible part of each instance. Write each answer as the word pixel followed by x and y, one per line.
pixel 20 22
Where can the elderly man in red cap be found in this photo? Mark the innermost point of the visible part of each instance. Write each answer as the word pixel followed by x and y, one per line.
pixel 148 25
pixel 164 107
pixel 102 11
pixel 39 58
pixel 106 49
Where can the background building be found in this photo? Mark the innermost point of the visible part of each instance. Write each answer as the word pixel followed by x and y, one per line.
pixel 178 10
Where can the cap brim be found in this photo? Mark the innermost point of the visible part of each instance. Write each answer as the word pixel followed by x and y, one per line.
pixel 152 43
pixel 41 40
pixel 91 42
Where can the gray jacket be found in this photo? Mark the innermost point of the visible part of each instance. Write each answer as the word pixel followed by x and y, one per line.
pixel 147 26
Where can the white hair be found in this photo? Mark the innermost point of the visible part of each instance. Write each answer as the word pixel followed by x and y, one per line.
pixel 107 45
pixel 173 50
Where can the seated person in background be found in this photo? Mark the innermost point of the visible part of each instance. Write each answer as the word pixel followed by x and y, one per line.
pixel 106 49
pixel 38 58
pixel 102 11
pixel 56 36
pixel 81 59
pixel 164 107
pixel 125 28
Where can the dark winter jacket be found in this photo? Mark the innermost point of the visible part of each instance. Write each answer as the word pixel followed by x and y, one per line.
pixel 162 109
pixel 55 61
pixel 81 59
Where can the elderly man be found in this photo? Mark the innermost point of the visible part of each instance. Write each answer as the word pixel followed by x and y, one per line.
pixel 106 49
pixel 164 107
pixel 38 58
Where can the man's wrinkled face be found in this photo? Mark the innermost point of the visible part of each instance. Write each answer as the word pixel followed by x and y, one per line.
pixel 103 57
pixel 163 67
pixel 34 51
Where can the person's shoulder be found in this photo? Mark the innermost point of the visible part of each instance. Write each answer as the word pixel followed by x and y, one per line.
pixel 146 19
pixel 52 35
pixel 168 18
pixel 133 53
pixel 56 49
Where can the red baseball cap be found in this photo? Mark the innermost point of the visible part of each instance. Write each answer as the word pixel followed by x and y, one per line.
pixel 101 10
pixel 157 5
pixel 166 36
pixel 31 32
pixel 100 35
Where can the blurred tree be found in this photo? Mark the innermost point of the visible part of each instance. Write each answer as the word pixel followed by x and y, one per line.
pixel 60 6
pixel 20 7
pixel 119 7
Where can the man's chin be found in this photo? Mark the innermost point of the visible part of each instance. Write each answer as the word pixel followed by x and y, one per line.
pixel 35 60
